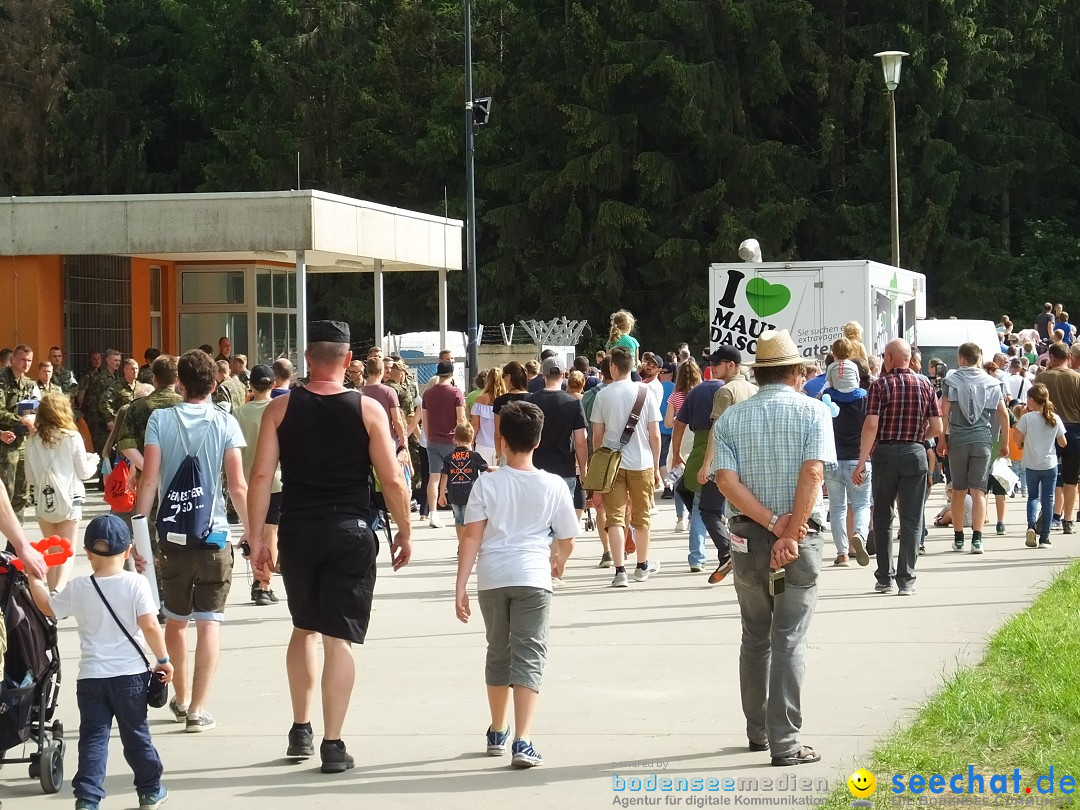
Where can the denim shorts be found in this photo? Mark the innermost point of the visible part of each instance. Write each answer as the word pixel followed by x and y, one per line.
pixel 459 513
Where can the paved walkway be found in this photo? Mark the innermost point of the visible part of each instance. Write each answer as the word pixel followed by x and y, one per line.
pixel 645 677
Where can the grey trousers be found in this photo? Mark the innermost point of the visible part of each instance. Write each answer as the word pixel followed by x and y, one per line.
pixel 772 658
pixel 900 475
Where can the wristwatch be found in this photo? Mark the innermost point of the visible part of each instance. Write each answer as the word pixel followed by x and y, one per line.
pixel 772 523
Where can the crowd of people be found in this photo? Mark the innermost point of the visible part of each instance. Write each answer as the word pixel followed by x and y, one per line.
pixel 761 454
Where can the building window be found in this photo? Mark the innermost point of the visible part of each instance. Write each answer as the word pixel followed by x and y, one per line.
pixel 155 307
pixel 97 307
pixel 275 319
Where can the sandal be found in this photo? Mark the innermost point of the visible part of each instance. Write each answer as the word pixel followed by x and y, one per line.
pixel 803 756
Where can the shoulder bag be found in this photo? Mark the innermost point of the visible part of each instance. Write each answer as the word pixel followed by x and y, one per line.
pixel 157 691
pixel 605 462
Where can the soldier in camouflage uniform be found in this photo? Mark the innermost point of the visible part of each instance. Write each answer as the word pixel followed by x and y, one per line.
pixel 394 375
pixel 120 393
pixel 64 377
pixel 132 437
pixel 96 389
pixel 92 370
pixel 46 379
pixel 16 386
pixel 230 392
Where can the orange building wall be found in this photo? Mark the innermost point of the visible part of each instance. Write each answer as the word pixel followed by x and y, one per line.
pixel 32 302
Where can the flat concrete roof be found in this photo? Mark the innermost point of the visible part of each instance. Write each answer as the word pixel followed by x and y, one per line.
pixel 338 234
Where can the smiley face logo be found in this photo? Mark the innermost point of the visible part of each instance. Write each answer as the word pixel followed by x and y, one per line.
pixel 862 784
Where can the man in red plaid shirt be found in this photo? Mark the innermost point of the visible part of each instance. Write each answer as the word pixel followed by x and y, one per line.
pixel 902 412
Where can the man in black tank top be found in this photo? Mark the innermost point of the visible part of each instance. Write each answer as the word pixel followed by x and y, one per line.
pixel 327 439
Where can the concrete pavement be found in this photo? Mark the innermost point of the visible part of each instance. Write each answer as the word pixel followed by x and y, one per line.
pixel 640 682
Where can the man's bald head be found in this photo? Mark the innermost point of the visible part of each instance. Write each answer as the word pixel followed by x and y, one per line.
pixel 897 354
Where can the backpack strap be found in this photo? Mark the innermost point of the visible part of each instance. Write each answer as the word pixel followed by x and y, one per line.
pixel 183 435
pixel 634 417
pixel 120 624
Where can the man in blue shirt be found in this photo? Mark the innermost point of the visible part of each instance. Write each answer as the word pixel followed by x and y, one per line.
pixel 770 455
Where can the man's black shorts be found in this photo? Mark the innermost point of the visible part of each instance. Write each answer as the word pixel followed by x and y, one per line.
pixel 1069 471
pixel 328 566
pixel 273 511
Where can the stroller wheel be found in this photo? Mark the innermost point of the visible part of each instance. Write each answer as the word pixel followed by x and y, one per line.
pixel 52 768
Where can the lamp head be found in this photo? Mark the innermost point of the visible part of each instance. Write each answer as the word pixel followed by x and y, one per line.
pixel 750 250
pixel 890 64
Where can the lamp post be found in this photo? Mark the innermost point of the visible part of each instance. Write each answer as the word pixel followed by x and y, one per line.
pixel 890 63
pixel 470 201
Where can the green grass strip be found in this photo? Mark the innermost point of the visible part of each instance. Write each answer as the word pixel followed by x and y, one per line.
pixel 1018 708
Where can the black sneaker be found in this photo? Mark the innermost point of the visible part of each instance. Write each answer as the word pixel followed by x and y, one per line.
pixel 335 759
pixel 301 743
pixel 1066 527
pixel 668 494
pixel 263 598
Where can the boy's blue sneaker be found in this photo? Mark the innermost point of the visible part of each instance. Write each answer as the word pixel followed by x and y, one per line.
pixel 86 804
pixel 525 756
pixel 150 801
pixel 496 741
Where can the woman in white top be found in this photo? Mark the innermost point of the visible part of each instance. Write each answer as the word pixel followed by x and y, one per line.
pixel 56 464
pixel 483 417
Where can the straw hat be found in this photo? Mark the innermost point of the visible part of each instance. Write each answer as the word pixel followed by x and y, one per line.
pixel 776 349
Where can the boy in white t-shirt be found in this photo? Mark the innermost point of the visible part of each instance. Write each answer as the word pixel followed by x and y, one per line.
pixel 112 677
pixel 510 520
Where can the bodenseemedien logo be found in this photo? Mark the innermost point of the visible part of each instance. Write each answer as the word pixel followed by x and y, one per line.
pixel 862 784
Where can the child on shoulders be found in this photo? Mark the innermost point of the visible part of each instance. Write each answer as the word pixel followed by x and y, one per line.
pixel 842 375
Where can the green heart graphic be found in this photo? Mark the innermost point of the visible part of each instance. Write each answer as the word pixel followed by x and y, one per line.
pixel 766 299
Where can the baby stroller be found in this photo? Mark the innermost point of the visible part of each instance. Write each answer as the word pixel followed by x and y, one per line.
pixel 31 682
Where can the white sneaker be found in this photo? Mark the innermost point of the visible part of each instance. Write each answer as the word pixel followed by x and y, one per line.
pixel 654 511
pixel 434 521
pixel 680 525
pixel 642 574
pixel 557 583
pixel 621 580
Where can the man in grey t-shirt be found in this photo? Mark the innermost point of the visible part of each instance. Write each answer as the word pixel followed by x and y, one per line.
pixel 970 400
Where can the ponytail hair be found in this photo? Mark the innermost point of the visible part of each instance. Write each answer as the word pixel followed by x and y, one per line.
pixel 1041 395
pixel 622 323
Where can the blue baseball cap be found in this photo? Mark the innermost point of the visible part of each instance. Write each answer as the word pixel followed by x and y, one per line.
pixel 107 536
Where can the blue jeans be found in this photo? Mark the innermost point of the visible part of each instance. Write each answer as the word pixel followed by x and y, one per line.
pixel 100 700
pixel 1040 492
pixel 1018 468
pixel 697 534
pixel 842 489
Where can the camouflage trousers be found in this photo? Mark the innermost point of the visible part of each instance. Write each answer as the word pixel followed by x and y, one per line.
pixel 13 474
pixel 99 434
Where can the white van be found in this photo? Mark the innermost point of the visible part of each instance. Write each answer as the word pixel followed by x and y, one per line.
pixel 942 338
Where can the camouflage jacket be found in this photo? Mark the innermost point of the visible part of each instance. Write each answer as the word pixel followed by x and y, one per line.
pixel 11 391
pixel 133 432
pixel 232 391
pixel 65 378
pixel 52 388
pixel 115 397
pixel 405 398
pixel 96 389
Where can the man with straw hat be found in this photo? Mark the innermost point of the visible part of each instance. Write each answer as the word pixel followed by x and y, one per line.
pixel 770 456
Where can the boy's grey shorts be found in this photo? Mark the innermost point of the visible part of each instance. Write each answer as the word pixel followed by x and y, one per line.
pixel 969 466
pixel 516 619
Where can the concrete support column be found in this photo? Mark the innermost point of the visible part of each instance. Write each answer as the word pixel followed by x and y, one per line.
pixel 301 313
pixel 442 308
pixel 380 322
